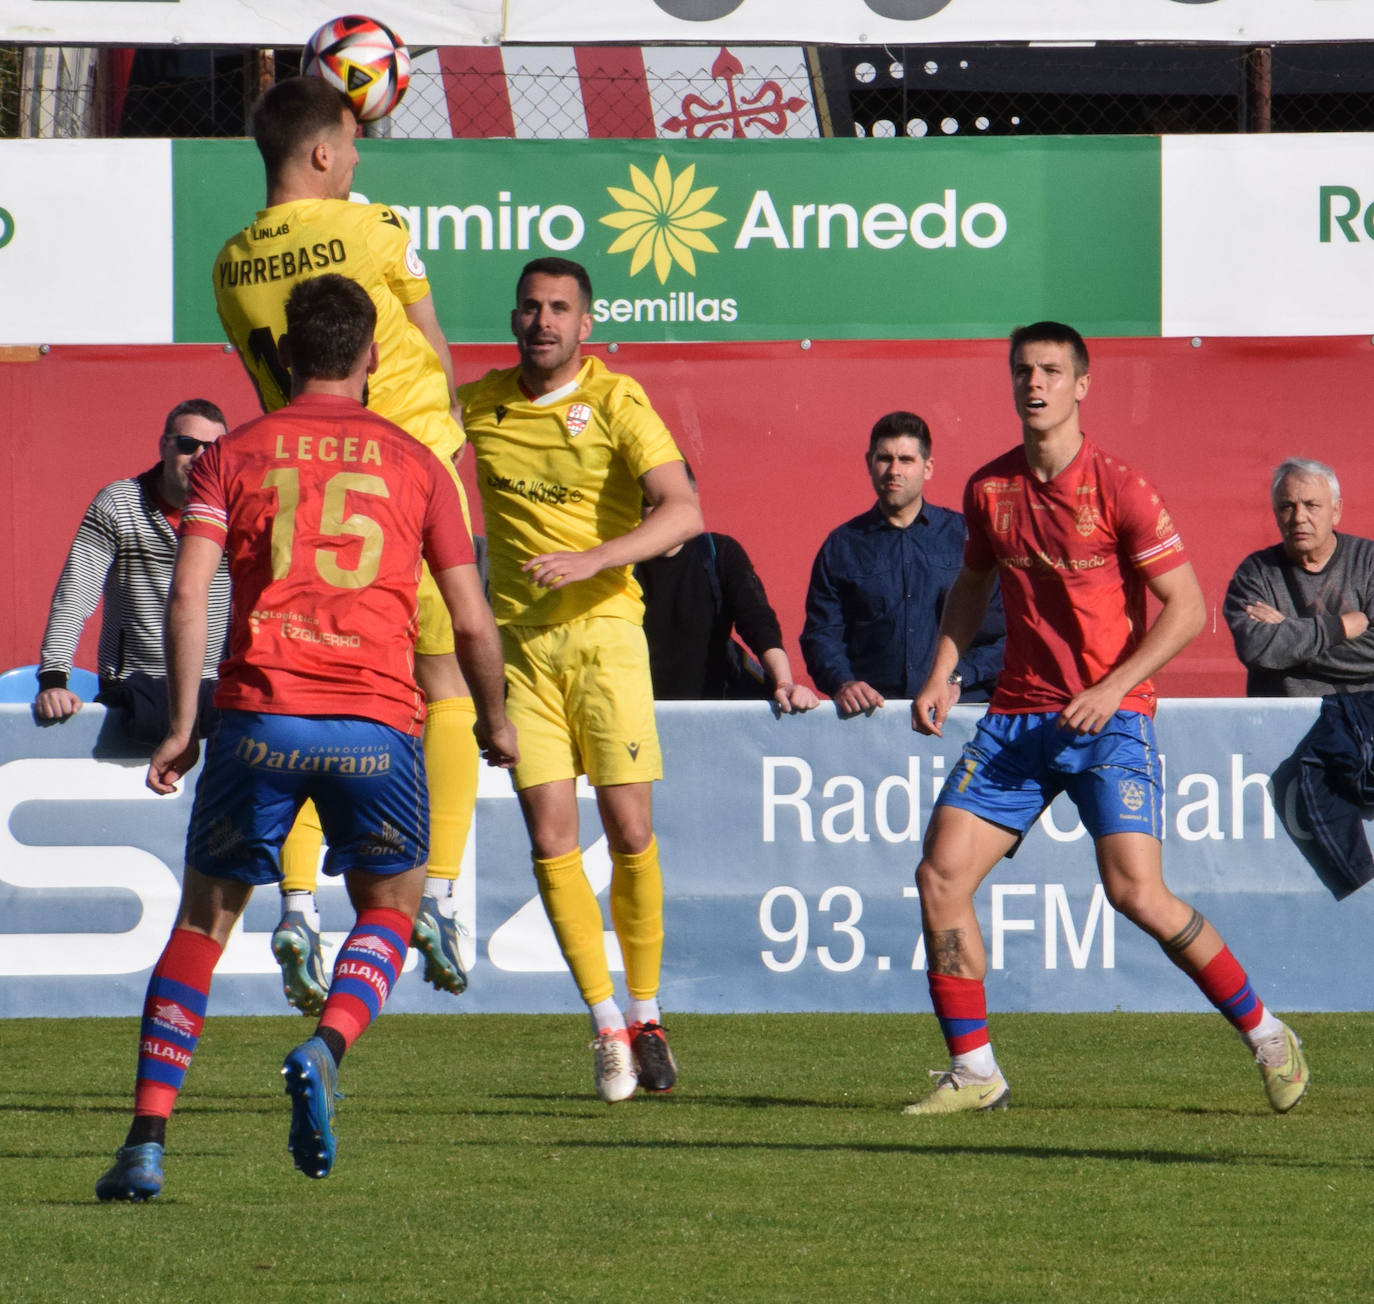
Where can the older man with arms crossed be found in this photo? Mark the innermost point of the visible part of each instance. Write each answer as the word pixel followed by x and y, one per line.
pixel 1298 610
pixel 1299 615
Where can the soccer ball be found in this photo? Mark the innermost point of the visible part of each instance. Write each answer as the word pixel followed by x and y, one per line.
pixel 365 59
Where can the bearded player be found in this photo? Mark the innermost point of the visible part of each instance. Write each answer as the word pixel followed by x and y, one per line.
pixel 567 453
pixel 323 510
pixel 305 132
pixel 1077 538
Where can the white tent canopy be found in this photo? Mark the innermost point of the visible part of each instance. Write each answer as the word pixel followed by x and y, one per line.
pixel 810 22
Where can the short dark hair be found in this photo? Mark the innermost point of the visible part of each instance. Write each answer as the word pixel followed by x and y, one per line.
pixel 293 113
pixel 330 321
pixel 1051 332
pixel 193 407
pixel 898 425
pixel 557 267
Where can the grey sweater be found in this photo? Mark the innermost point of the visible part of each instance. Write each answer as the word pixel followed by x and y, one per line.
pixel 1307 654
pixel 124 551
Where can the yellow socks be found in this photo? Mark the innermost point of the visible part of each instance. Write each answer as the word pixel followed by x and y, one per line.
pixel 451 761
pixel 300 853
pixel 571 907
pixel 637 916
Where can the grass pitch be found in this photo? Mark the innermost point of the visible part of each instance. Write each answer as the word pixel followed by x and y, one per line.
pixel 1139 1161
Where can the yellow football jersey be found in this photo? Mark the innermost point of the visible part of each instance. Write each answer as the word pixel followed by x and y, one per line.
pixel 287 243
pixel 560 473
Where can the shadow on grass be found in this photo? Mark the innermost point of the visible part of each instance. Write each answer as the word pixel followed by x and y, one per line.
pixel 1057 1153
pixel 859 1104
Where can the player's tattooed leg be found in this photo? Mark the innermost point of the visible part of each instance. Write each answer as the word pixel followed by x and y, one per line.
pixel 1186 935
pixel 945 951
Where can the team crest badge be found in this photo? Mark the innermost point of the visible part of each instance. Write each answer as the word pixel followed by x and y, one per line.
pixel 1085 520
pixel 578 416
pixel 1164 527
pixel 1132 794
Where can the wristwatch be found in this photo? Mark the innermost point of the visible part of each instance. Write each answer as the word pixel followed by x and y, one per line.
pixel 956 679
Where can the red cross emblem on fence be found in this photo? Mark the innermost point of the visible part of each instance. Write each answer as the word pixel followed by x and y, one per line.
pixel 765 108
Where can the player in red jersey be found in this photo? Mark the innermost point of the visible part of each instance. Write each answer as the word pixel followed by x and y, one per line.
pixel 324 510
pixel 1077 538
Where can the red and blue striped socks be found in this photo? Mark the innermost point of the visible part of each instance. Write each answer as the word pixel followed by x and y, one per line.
pixel 1223 982
pixel 173 1015
pixel 962 1008
pixel 365 972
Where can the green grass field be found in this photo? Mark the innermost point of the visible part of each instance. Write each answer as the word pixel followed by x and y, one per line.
pixel 1139 1161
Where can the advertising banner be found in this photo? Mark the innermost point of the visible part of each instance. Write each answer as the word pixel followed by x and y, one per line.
pixel 724 240
pixel 1268 235
pixel 920 22
pixel 788 847
pixel 744 240
pixel 74 267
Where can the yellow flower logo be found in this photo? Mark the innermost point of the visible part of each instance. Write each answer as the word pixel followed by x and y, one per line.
pixel 663 220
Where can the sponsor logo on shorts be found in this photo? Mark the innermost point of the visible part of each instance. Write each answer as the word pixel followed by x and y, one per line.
pixel 633 749
pixel 1132 793
pixel 386 841
pixel 223 836
pixel 578 416
pixel 358 761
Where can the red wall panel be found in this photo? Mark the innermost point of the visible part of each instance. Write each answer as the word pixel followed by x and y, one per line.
pixel 776 434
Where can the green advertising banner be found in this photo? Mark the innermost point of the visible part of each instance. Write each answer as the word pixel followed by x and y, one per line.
pixel 744 240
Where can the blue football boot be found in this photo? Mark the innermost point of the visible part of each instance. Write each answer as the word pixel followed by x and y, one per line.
pixel 311 1078
pixel 136 1175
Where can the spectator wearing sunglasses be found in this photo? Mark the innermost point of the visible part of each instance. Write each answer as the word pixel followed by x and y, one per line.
pixel 123 551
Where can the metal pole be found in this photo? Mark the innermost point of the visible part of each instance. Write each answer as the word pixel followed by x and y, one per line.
pixel 259 72
pixel 1259 74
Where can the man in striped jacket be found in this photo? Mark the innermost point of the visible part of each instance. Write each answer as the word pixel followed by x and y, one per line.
pixel 124 550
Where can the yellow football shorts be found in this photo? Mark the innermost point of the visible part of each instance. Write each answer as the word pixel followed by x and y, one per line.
pixel 436 625
pixel 580 697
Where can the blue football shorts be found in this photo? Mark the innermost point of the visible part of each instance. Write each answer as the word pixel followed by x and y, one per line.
pixel 367 781
pixel 1015 765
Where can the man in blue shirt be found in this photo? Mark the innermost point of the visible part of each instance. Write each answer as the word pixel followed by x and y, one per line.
pixel 879 582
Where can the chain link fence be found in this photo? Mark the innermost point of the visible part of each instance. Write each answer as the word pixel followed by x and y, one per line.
pixel 839 91
pixel 1099 90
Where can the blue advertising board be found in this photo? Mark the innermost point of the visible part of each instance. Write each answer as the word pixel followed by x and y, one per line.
pixel 788 847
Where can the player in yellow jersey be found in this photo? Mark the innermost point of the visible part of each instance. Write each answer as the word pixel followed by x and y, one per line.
pixel 305 132
pixel 567 453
